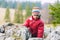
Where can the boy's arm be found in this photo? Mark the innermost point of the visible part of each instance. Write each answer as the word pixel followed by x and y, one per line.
pixel 40 30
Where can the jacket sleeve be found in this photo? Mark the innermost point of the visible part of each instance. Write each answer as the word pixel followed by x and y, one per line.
pixel 26 23
pixel 40 30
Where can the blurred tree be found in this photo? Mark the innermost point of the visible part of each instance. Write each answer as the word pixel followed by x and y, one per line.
pixel 7 15
pixel 15 16
pixel 55 12
pixel 28 11
pixel 18 17
pixel 33 5
pixel 21 14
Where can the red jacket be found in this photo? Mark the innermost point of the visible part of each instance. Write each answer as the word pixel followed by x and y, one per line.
pixel 36 26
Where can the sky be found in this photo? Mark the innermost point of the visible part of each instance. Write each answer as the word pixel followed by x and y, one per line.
pixel 48 1
pixel 42 1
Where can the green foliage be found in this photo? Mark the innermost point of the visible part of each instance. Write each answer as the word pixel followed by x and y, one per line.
pixel 7 15
pixel 21 14
pixel 33 5
pixel 18 17
pixel 55 12
pixel 13 5
pixel 28 11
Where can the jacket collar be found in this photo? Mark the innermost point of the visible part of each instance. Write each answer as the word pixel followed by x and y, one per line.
pixel 35 19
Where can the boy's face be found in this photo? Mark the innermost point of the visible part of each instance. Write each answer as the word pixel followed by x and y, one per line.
pixel 35 14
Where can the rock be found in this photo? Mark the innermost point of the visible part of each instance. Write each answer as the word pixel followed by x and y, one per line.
pixel 2 36
pixel 9 38
pixel 24 33
pixel 54 35
pixel 35 39
pixel 8 24
pixel 2 29
pixel 48 30
pixel 20 31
